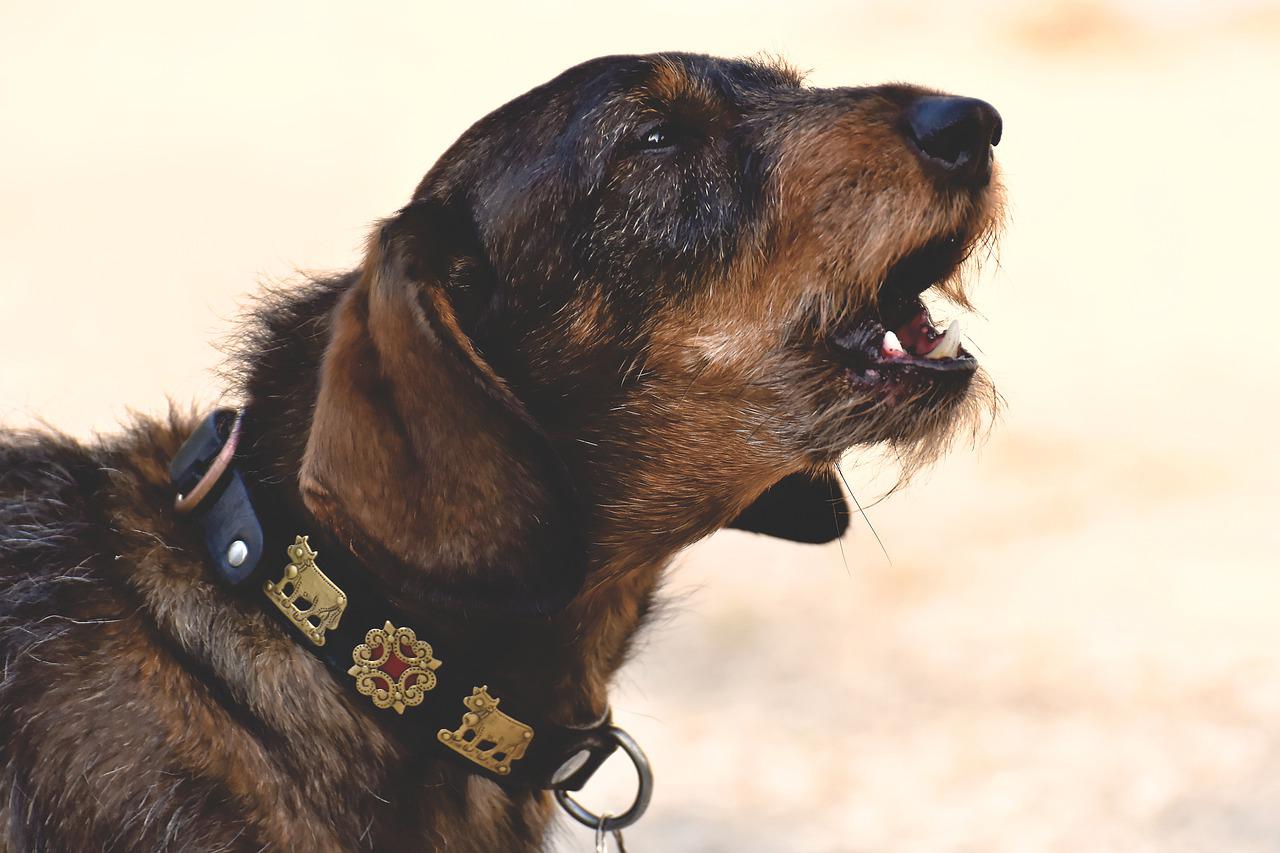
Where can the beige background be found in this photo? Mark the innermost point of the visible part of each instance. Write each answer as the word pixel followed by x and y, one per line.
pixel 1075 644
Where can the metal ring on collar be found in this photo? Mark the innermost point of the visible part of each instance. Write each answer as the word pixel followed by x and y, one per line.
pixel 644 793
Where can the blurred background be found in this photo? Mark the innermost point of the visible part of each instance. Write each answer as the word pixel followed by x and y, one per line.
pixel 1073 643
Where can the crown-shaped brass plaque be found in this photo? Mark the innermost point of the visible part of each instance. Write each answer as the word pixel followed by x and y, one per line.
pixel 306 595
pixel 487 736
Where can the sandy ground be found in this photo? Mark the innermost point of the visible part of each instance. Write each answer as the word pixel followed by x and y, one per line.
pixel 1074 645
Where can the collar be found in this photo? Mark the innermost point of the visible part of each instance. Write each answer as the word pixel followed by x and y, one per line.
pixel 436 697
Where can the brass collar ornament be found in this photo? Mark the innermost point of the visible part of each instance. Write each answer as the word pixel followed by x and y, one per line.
pixel 305 595
pixel 487 736
pixel 393 667
pixel 332 602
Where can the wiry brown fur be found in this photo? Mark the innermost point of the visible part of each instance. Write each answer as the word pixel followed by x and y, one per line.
pixel 563 349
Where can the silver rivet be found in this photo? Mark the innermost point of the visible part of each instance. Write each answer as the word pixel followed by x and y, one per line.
pixel 237 553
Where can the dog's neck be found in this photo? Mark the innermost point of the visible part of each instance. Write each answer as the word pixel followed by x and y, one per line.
pixel 633 527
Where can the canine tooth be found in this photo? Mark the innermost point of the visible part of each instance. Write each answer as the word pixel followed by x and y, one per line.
pixel 949 344
pixel 891 345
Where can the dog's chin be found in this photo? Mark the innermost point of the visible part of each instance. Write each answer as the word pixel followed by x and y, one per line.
pixel 916 410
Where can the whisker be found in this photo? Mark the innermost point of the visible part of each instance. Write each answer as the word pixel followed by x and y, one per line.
pixel 835 516
pixel 865 517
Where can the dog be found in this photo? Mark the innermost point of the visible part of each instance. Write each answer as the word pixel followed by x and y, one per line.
pixel 652 298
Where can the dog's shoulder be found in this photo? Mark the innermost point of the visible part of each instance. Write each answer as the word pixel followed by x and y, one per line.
pixel 87 536
pixel 63 533
pixel 48 487
pixel 63 500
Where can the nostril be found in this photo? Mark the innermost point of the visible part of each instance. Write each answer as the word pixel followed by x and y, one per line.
pixel 956 132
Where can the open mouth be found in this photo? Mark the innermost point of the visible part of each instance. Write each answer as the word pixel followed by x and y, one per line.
pixel 897 336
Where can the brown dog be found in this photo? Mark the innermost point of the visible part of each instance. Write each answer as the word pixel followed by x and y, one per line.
pixel 633 305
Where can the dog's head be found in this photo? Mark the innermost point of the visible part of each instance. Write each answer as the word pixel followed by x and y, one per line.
pixel 662 288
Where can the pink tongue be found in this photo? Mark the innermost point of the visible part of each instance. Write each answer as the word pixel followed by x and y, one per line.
pixel 918 335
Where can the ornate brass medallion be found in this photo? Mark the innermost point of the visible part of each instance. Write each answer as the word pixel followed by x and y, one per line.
pixel 393 667
pixel 306 595
pixel 487 736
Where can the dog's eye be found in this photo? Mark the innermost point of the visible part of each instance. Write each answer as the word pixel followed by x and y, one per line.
pixel 655 138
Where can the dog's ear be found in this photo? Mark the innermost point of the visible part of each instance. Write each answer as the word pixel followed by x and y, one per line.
pixel 803 507
pixel 418 449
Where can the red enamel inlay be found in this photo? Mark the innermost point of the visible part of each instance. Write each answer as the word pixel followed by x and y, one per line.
pixel 394 667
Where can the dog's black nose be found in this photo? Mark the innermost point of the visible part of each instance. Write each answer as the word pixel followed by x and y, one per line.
pixel 955 133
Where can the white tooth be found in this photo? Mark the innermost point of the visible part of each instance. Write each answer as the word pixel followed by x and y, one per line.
pixel 949 344
pixel 891 345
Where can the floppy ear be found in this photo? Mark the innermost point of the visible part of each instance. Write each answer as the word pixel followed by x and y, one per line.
pixel 802 507
pixel 418 449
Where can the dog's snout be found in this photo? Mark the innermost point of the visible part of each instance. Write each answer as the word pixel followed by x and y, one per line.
pixel 955 133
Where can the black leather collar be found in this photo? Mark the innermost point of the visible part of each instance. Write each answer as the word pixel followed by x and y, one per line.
pixel 251 544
